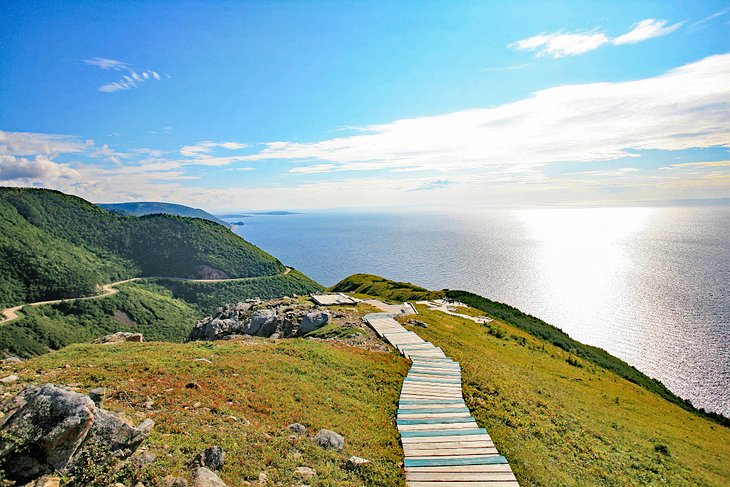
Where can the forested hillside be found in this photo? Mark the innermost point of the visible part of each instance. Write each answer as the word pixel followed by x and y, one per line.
pixel 142 208
pixel 57 246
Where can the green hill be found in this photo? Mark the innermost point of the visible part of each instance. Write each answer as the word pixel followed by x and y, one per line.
pixel 142 208
pixel 57 246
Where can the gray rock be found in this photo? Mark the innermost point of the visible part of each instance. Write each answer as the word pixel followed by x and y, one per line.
pixel 120 336
pixel 9 379
pixel 330 440
pixel 207 478
pixel 97 395
pixel 297 429
pixel 144 459
pixel 305 472
pixel 11 361
pixel 212 457
pixel 263 323
pixel 55 426
pixel 171 481
pixel 313 320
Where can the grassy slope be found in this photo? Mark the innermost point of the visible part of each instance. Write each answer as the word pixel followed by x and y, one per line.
pixel 153 309
pixel 265 386
pixel 368 284
pixel 209 296
pixel 55 245
pixel 141 208
pixel 563 424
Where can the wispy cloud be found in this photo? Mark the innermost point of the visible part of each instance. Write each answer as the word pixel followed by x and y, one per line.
pixel 699 165
pixel 646 29
pixel 688 107
pixel 205 147
pixel 131 79
pixel 560 44
pixel 622 171
pixel 706 20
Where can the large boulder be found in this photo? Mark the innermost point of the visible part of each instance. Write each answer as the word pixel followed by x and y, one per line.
pixel 47 428
pixel 281 318
pixel 207 478
pixel 330 440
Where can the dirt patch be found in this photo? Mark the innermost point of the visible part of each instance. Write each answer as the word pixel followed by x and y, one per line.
pixel 123 318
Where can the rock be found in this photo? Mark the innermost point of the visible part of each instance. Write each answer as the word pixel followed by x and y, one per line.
pixel 11 361
pixel 313 320
pixel 207 478
pixel 279 318
pixel 263 478
pixel 171 481
pixel 97 395
pixel 298 429
pixel 330 440
pixel 120 336
pixel 139 484
pixel 9 379
pixel 417 323
pixel 47 481
pixel 144 459
pixel 201 359
pixel 56 426
pixel 119 484
pixel 354 461
pixel 305 472
pixel 212 457
pixel 192 385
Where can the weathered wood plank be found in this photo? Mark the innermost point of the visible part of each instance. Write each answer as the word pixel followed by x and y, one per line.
pixel 447 445
pixel 461 476
pixel 436 426
pixel 415 453
pixel 438 420
pixel 443 461
pixel 422 440
pixel 500 467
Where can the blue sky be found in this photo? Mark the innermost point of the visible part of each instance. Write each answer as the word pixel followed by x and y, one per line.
pixel 233 105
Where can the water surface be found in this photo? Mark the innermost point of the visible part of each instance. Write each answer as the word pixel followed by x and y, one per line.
pixel 650 285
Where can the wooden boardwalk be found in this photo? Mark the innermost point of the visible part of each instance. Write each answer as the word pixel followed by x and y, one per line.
pixel 443 445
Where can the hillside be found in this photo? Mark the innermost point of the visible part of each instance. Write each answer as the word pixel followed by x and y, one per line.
pixel 142 208
pixel 368 284
pixel 58 246
pixel 560 420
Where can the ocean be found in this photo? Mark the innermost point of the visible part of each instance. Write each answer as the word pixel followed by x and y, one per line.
pixel 649 285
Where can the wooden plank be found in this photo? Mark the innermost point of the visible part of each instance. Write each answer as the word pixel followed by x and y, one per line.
pixel 434 415
pixel 451 452
pixel 461 476
pixel 433 410
pixel 436 426
pixel 447 445
pixel 500 467
pixel 451 461
pixel 452 432
pixel 438 420
pixel 424 440
pixel 475 483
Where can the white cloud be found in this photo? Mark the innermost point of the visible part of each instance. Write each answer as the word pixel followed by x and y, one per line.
pixel 699 165
pixel 688 107
pixel 559 44
pixel 646 29
pixel 622 171
pixel 105 63
pixel 128 81
pixel 30 170
pixel 30 144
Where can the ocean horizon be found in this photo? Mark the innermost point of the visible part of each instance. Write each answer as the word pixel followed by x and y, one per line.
pixel 648 284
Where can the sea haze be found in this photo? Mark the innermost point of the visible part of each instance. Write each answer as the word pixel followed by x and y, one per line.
pixel 650 285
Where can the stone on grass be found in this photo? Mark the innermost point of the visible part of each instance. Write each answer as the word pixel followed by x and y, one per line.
pixel 305 472
pixel 297 429
pixel 120 336
pixel 207 478
pixel 97 395
pixel 9 379
pixel 212 457
pixel 171 481
pixel 330 440
pixel 11 360
pixel 354 461
pixel 144 459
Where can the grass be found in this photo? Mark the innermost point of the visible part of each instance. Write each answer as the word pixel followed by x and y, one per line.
pixel 248 395
pixel 368 284
pixel 562 420
pixel 137 307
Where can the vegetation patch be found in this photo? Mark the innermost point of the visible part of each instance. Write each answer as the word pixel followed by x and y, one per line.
pixel 246 395
pixel 390 290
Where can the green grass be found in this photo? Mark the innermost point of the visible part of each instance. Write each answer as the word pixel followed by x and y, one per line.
pixel 368 284
pixel 155 313
pixel 247 397
pixel 574 424
pixel 209 296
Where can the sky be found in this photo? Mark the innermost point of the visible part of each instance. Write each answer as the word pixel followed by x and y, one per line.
pixel 343 104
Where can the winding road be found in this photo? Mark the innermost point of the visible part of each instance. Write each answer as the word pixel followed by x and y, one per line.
pixel 10 314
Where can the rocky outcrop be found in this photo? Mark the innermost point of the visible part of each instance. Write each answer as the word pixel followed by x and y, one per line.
pixel 46 429
pixel 282 318
pixel 120 336
pixel 329 440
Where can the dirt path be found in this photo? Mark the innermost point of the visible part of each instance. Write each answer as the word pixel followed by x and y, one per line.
pixel 10 314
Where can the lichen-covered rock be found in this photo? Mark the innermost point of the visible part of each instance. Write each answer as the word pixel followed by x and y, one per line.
pixel 213 457
pixel 281 318
pixel 330 440
pixel 297 429
pixel 47 429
